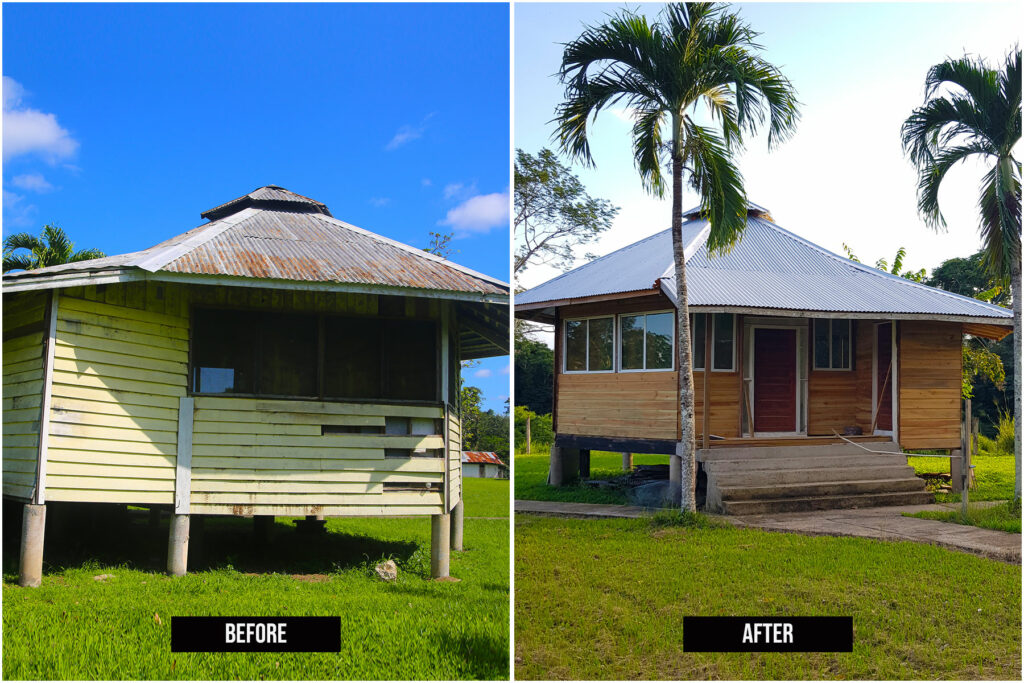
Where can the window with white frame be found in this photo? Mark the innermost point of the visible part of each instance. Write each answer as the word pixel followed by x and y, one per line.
pixel 833 344
pixel 645 341
pixel 590 344
pixel 723 341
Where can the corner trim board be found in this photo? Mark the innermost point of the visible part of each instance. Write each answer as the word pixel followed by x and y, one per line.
pixel 39 498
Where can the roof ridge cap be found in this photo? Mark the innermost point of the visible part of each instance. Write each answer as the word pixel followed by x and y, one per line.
pixel 161 258
pixel 405 247
pixel 857 265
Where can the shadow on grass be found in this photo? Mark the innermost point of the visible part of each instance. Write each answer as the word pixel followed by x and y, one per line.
pixel 478 652
pixel 96 535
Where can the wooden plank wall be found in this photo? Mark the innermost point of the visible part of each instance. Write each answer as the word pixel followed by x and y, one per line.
pixel 837 399
pixel 624 404
pixel 929 373
pixel 271 457
pixel 120 366
pixel 454 455
pixel 22 390
pixel 725 404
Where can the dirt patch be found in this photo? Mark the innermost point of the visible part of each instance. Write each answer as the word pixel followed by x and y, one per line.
pixel 312 578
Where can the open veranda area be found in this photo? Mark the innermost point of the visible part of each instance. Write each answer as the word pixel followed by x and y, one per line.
pixel 81 624
pixel 611 606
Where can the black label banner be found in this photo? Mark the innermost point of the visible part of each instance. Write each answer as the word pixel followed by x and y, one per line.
pixel 255 634
pixel 768 634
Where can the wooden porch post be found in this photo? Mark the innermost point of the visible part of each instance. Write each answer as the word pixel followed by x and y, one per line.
pixel 709 327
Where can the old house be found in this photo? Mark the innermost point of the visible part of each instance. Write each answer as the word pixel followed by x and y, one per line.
pixel 272 361
pixel 792 347
pixel 483 465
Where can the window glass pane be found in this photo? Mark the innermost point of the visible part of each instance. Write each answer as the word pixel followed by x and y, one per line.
pixel 352 358
pixel 224 351
pixel 576 345
pixel 698 333
pixel 410 360
pixel 288 355
pixel 602 335
pixel 723 341
pixel 840 344
pixel 821 339
pixel 659 341
pixel 632 342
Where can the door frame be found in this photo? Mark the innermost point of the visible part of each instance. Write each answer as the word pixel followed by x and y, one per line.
pixel 800 332
pixel 892 375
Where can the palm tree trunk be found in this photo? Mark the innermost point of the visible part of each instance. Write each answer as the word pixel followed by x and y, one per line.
pixel 682 485
pixel 1015 293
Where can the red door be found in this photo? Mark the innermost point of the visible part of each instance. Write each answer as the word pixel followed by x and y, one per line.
pixel 883 374
pixel 774 380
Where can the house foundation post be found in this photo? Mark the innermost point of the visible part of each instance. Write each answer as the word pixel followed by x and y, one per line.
pixel 458 516
pixel 584 458
pixel 440 539
pixel 261 525
pixel 675 481
pixel 177 546
pixel 555 477
pixel 627 462
pixel 956 469
pixel 33 530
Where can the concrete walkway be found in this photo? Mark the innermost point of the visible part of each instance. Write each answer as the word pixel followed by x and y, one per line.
pixel 883 523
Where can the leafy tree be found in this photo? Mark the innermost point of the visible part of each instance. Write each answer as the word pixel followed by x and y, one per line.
pixel 470 398
pixel 482 430
pixel 554 215
pixel 968 277
pixel 51 248
pixel 973 111
pixel 440 244
pixel 534 368
pixel 695 54
pixel 897 264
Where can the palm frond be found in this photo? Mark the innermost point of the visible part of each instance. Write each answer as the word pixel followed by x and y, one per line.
pixel 930 176
pixel 1000 225
pixel 86 255
pixel 647 150
pixel 21 240
pixel 17 262
pixel 720 185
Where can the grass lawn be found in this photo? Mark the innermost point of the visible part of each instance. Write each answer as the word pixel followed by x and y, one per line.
pixel 605 599
pixel 74 627
pixel 1001 517
pixel 531 472
pixel 993 475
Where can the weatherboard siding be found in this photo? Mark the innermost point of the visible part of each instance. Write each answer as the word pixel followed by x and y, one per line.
pixel 454 458
pixel 261 456
pixel 22 391
pixel 618 404
pixel 929 377
pixel 725 396
pixel 837 399
pixel 120 366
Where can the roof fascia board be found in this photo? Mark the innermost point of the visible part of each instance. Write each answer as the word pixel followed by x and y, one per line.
pixel 161 258
pixel 413 250
pixel 307 286
pixel 586 299
pixel 852 315
pixel 75 279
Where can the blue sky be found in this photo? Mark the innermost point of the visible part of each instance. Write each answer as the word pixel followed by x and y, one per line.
pixel 123 122
pixel 859 71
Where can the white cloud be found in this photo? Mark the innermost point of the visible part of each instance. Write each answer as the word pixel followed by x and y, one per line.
pixel 479 214
pixel 33 182
pixel 17 214
pixel 507 369
pixel 407 134
pixel 482 372
pixel 426 182
pixel 29 131
pixel 379 201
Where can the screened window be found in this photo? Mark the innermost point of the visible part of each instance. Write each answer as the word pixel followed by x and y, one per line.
pixel 589 344
pixel 833 344
pixel 310 356
pixel 698 332
pixel 646 341
pixel 723 342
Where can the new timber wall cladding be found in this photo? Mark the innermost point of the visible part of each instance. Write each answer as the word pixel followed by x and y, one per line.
pixel 24 327
pixel 120 367
pixel 725 397
pixel 928 376
pixel 625 404
pixel 282 457
pixel 837 399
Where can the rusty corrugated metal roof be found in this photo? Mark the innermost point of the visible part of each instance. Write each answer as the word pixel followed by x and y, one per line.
pixel 266 194
pixel 482 458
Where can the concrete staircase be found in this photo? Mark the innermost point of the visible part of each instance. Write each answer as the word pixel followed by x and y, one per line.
pixel 751 480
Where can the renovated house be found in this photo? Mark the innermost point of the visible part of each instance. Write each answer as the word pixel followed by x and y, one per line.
pixel 811 371
pixel 273 361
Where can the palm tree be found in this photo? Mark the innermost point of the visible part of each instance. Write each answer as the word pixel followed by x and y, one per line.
pixel 696 53
pixel 51 248
pixel 976 116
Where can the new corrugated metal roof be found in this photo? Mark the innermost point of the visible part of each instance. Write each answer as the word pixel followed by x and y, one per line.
pixel 272 233
pixel 769 268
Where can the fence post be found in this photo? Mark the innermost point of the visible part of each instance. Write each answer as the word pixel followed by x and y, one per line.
pixel 528 435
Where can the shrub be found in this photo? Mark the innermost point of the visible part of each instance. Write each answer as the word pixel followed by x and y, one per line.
pixel 540 429
pixel 1005 433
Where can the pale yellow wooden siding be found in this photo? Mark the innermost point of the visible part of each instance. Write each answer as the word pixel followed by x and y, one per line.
pixel 22 391
pixel 454 457
pixel 120 366
pixel 265 456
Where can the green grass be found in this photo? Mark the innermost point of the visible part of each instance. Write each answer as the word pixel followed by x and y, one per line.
pixel 74 627
pixel 993 475
pixel 604 599
pixel 531 472
pixel 1001 517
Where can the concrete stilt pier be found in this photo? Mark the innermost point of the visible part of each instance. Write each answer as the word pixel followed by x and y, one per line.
pixel 440 545
pixel 627 462
pixel 177 545
pixel 458 516
pixel 33 530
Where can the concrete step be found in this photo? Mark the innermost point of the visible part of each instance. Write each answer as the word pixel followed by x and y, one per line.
pixel 753 452
pixel 745 477
pixel 803 463
pixel 772 506
pixel 820 488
